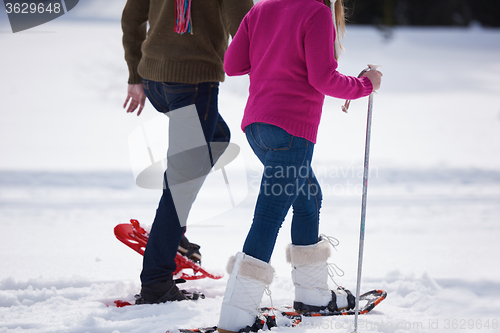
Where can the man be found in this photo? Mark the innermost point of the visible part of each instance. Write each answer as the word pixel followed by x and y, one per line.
pixel 178 65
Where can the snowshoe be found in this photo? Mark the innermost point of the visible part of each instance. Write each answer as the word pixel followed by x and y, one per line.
pixel 136 237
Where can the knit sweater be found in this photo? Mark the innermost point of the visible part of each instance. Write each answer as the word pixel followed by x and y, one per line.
pixel 287 47
pixel 167 56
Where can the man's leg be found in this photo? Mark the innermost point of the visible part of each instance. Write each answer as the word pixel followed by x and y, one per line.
pixel 169 223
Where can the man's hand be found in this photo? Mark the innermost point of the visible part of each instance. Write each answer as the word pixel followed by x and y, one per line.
pixel 136 97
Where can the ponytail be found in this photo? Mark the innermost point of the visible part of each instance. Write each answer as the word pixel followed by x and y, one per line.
pixel 338 21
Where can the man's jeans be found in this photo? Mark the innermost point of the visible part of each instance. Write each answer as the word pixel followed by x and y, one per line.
pixel 288 180
pixel 182 163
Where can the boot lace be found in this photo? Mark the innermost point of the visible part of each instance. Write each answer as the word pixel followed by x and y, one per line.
pixel 268 293
pixel 334 242
pixel 333 269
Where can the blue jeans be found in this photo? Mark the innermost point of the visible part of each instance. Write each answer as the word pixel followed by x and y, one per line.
pixel 287 181
pixel 166 231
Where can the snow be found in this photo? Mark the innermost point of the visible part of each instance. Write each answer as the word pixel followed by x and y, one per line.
pixel 67 178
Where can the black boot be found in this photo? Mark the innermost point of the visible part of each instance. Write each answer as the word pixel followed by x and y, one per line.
pixel 190 250
pixel 160 292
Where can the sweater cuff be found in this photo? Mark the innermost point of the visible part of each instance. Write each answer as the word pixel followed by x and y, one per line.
pixel 134 77
pixel 367 85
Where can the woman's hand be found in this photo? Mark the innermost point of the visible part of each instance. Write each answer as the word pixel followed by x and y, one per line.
pixel 136 97
pixel 375 77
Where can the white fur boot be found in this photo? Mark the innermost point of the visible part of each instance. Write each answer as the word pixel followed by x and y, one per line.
pixel 310 277
pixel 247 282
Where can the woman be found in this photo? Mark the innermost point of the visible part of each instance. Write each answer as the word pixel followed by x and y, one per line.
pixel 289 48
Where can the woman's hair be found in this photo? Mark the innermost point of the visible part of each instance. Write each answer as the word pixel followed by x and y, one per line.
pixel 339 20
pixel 340 17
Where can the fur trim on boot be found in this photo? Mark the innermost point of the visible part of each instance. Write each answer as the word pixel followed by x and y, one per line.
pixel 308 254
pixel 252 268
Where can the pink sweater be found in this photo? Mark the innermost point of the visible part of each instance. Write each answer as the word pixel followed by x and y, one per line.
pixel 287 47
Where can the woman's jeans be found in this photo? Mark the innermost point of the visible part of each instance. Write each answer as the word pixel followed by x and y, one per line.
pixel 288 180
pixel 182 103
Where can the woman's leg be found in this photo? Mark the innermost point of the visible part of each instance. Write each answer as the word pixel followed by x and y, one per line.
pixel 286 161
pixel 305 221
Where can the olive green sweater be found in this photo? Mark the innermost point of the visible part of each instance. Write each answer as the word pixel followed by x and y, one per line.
pixel 167 56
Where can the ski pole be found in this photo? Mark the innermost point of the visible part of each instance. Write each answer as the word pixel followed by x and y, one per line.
pixel 363 201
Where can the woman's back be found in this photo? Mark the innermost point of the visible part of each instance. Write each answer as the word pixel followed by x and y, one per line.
pixel 287 47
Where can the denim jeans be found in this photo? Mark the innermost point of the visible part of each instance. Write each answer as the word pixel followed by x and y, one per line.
pixel 167 230
pixel 287 181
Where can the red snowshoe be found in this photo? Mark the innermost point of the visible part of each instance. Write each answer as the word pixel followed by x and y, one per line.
pixel 135 237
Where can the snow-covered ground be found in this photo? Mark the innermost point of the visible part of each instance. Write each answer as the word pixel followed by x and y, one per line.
pixel 66 179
